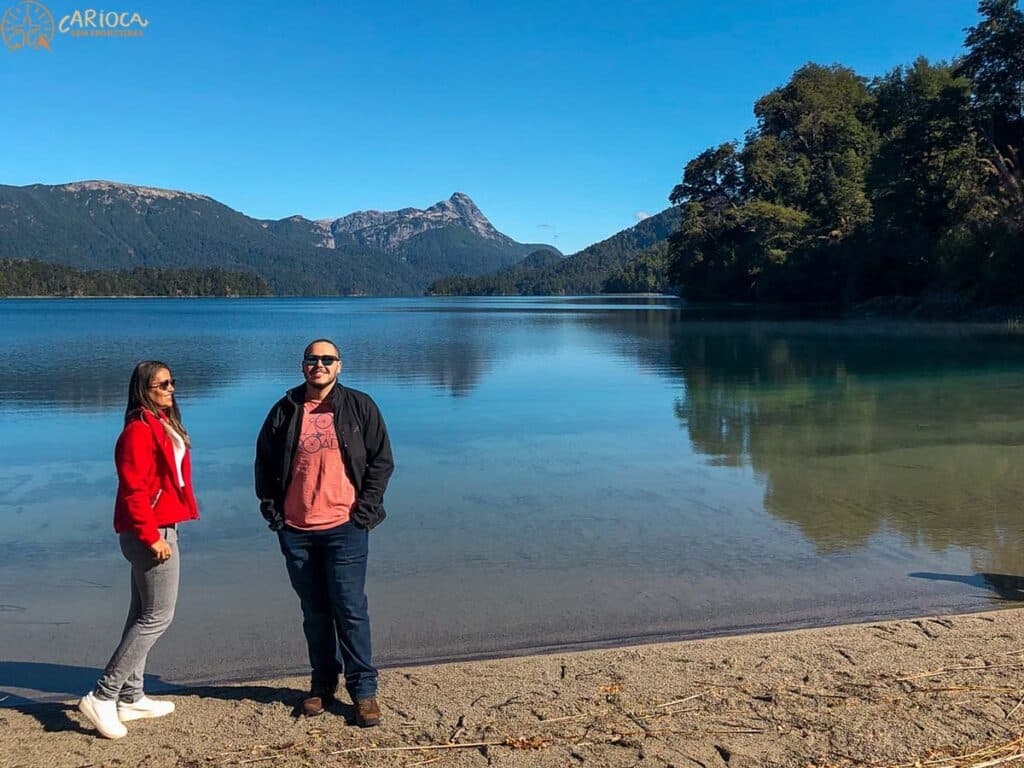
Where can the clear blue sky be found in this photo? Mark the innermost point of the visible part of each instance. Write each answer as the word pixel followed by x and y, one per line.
pixel 562 120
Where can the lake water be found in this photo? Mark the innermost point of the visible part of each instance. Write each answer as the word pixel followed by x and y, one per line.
pixel 570 472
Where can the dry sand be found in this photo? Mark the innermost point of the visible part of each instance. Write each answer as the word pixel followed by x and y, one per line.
pixel 944 691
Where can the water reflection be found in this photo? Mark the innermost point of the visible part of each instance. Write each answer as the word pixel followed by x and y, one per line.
pixel 211 345
pixel 854 428
pixel 859 430
pixel 446 343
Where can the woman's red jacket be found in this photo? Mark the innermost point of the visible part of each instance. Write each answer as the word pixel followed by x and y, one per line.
pixel 148 494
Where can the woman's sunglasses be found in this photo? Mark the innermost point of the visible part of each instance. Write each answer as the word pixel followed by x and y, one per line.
pixel 163 385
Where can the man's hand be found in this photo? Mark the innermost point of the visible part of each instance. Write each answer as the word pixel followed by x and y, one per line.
pixel 161 550
pixel 275 520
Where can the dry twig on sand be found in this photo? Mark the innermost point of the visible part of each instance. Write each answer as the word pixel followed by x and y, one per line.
pixel 947 670
pixel 1015 707
pixel 416 748
pixel 680 701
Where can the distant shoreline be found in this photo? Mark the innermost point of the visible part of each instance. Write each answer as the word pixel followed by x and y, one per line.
pixel 929 309
pixel 134 296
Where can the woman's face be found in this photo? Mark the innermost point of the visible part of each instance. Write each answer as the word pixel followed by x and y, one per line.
pixel 161 389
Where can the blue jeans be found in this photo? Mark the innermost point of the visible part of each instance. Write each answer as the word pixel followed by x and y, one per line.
pixel 328 572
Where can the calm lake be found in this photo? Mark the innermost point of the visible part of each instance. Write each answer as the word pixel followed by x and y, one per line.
pixel 570 472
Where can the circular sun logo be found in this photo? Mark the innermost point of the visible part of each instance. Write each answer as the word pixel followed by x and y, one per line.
pixel 27 24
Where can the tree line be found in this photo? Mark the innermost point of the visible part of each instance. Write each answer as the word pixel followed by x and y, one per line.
pixel 849 188
pixel 29 277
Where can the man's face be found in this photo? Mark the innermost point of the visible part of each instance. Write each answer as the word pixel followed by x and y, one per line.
pixel 321 372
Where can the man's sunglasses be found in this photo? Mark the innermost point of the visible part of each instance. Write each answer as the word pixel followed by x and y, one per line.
pixel 163 385
pixel 327 360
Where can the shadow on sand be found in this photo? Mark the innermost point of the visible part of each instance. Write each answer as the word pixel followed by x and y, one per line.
pixel 1005 587
pixel 67 682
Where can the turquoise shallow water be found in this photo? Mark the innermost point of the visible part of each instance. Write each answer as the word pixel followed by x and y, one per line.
pixel 570 472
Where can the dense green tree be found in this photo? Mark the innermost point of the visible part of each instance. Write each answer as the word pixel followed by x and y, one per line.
pixel 820 130
pixel 928 176
pixel 994 64
pixel 762 222
pixel 847 189
pixel 983 254
pixel 714 179
pixel 735 252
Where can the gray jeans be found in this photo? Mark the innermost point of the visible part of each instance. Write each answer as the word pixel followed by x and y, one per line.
pixel 154 594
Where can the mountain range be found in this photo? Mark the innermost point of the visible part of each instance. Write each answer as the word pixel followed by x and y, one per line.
pixel 450 247
pixel 108 225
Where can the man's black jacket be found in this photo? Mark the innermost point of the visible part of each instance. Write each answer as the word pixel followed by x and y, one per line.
pixel 364 443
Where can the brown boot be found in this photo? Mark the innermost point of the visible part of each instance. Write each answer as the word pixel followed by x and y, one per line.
pixel 367 712
pixel 316 703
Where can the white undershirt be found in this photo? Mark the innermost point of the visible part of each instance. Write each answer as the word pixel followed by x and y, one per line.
pixel 179 452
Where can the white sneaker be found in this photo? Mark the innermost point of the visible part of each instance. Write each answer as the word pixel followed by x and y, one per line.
pixel 143 708
pixel 102 714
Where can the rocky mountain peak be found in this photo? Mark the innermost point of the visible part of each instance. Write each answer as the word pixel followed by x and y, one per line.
pixel 459 203
pixel 460 209
pixel 389 229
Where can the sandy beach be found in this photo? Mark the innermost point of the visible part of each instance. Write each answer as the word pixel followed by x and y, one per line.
pixel 940 691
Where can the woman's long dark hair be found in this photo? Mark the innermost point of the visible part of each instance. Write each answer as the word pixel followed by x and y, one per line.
pixel 139 399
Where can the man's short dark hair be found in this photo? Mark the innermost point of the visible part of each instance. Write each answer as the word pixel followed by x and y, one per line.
pixel 321 341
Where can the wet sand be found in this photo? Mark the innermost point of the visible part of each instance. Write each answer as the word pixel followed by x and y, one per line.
pixel 945 689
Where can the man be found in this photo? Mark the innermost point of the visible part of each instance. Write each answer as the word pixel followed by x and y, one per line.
pixel 323 460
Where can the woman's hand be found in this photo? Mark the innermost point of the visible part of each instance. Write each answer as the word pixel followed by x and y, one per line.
pixel 161 550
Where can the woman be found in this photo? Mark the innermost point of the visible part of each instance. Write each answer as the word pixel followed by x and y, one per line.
pixel 154 494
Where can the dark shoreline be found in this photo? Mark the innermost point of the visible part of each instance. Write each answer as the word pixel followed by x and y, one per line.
pixel 526 649
pixel 930 309
pixel 944 308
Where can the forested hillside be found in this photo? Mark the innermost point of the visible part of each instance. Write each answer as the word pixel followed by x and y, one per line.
pixel 850 188
pixel 584 272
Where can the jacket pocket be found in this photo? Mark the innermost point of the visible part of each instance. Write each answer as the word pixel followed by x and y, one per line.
pixel 367 516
